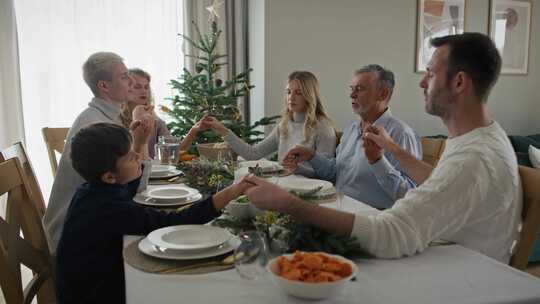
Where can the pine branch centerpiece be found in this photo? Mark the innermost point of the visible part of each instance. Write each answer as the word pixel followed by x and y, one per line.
pixel 203 93
pixel 208 176
pixel 287 235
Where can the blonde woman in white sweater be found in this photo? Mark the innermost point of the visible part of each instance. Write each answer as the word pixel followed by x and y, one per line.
pixel 303 122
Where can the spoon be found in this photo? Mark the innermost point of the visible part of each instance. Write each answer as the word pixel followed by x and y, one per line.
pixel 164 250
pixel 228 260
pixel 150 200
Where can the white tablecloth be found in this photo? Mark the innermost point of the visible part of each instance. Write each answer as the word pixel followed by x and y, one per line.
pixel 442 274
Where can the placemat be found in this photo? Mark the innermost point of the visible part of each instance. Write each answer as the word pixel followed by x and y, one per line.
pixel 134 257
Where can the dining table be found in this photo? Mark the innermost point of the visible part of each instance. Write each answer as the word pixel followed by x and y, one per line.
pixel 442 274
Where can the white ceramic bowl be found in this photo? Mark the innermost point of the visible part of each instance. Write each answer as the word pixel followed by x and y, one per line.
pixel 161 170
pixel 242 210
pixel 157 169
pixel 171 193
pixel 239 210
pixel 314 291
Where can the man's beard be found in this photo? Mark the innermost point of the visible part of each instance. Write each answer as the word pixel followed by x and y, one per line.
pixel 437 104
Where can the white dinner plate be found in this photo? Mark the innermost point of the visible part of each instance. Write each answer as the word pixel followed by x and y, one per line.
pixel 167 174
pixel 265 165
pixel 161 169
pixel 170 193
pixel 146 247
pixel 302 184
pixel 148 201
pixel 189 237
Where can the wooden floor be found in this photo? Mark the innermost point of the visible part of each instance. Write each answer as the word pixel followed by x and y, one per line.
pixel 534 269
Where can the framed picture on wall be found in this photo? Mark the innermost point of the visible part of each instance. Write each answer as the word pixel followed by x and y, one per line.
pixel 510 27
pixel 436 18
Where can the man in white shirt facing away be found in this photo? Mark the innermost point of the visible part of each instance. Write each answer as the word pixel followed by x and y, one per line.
pixel 472 197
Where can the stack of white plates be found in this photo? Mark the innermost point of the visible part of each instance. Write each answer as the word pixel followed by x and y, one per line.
pixel 187 242
pixel 265 165
pixel 168 195
pixel 163 171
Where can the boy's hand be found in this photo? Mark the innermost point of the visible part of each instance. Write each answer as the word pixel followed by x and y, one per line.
pixel 223 197
pixel 265 195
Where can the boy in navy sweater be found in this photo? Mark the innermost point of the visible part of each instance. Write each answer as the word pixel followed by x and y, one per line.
pixel 89 256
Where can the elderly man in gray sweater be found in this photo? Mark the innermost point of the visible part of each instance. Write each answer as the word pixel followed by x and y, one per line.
pixel 109 81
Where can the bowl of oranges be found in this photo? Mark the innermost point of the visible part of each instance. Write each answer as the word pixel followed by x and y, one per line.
pixel 311 275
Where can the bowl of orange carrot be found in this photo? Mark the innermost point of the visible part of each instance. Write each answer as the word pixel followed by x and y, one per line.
pixel 311 275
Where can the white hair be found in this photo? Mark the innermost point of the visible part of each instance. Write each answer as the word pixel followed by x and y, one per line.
pixel 99 67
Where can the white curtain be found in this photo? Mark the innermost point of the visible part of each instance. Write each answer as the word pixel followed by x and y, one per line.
pixel 11 118
pixel 57 36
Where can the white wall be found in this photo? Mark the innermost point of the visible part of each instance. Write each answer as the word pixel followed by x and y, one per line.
pixel 333 38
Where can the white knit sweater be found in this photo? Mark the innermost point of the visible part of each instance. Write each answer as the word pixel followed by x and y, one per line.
pixel 473 198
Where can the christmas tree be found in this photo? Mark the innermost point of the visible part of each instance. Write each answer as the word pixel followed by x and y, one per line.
pixel 203 93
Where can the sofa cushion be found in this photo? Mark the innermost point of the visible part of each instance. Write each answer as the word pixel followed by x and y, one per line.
pixel 534 156
pixel 521 146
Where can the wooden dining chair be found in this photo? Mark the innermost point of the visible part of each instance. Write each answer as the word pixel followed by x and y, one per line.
pixel 55 139
pixel 17 151
pixel 530 182
pixel 432 149
pixel 31 249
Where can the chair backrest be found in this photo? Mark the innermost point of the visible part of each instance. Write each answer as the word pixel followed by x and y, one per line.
pixel 432 149
pixel 530 227
pixel 31 250
pixel 17 151
pixel 55 139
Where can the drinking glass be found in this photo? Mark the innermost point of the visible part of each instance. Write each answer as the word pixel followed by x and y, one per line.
pixel 340 195
pixel 167 150
pixel 251 257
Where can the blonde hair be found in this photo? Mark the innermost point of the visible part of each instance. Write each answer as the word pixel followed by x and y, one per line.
pixel 315 113
pixel 99 66
pixel 126 114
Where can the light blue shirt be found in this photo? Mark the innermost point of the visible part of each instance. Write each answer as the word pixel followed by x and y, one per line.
pixel 379 184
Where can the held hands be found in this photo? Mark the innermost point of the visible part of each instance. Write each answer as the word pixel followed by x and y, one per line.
pixel 143 124
pixel 379 136
pixel 296 155
pixel 142 112
pixel 199 126
pixel 210 122
pixel 265 195
pixel 372 151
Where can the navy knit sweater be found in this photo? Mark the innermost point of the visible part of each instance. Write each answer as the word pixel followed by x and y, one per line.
pixel 90 268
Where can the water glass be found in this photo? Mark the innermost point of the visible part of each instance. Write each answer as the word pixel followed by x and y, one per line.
pixel 167 150
pixel 340 195
pixel 251 257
